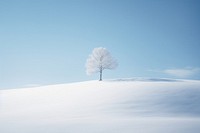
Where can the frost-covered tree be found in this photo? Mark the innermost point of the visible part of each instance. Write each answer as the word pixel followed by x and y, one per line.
pixel 99 60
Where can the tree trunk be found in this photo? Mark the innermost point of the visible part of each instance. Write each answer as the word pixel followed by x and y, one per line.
pixel 100 75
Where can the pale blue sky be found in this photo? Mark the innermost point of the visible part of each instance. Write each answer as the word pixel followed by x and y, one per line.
pixel 48 41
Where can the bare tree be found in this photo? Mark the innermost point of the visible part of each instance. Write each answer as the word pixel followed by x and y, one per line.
pixel 99 60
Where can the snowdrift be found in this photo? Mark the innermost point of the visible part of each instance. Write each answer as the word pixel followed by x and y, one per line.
pixel 122 105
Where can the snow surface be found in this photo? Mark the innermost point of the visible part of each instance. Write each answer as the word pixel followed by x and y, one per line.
pixel 113 106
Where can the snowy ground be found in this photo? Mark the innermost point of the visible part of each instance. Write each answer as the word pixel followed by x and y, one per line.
pixel 114 106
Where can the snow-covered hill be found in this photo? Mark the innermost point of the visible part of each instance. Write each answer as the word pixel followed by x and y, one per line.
pixel 112 106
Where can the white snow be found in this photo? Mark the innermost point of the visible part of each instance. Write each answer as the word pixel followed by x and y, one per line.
pixel 112 106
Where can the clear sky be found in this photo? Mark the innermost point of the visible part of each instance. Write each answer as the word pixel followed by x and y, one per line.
pixel 48 41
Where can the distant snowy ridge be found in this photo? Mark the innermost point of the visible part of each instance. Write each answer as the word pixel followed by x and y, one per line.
pixel 146 79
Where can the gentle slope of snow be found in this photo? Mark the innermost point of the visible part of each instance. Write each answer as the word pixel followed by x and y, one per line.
pixel 116 106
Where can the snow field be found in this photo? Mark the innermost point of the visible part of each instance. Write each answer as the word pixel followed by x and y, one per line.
pixel 115 106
